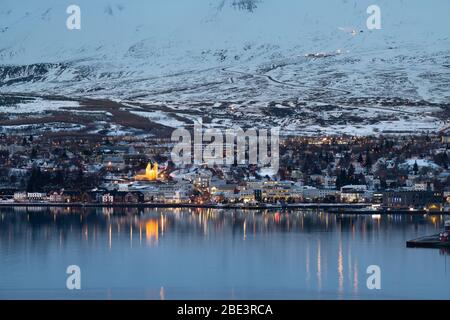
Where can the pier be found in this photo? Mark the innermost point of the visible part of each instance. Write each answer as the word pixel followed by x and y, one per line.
pixel 428 242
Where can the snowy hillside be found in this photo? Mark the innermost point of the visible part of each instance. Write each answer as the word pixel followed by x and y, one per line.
pixel 298 63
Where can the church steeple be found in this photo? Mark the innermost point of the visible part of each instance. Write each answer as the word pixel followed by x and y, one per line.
pixel 151 173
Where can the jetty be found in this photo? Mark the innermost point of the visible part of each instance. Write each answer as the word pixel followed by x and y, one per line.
pixel 433 241
pixel 440 240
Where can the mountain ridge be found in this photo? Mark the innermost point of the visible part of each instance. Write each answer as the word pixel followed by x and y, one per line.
pixel 313 60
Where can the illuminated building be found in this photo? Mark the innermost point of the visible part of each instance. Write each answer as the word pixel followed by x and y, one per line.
pixel 151 173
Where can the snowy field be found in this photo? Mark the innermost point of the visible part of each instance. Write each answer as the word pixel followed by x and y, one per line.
pixel 310 67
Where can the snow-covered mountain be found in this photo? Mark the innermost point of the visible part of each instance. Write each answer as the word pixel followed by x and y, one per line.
pixel 251 54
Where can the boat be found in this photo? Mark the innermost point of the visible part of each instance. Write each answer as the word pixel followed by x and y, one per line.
pixel 440 240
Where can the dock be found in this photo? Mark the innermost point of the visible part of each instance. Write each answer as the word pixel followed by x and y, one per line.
pixel 383 211
pixel 428 242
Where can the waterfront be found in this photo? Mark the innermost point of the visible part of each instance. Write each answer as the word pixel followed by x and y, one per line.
pixel 130 253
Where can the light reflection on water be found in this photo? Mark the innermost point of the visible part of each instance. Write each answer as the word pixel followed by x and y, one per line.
pixel 216 254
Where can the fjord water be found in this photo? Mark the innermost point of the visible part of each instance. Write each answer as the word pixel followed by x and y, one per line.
pixel 216 254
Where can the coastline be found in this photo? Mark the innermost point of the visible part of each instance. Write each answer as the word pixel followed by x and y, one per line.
pixel 186 205
pixel 332 208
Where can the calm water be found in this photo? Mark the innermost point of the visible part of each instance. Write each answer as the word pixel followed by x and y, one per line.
pixel 216 254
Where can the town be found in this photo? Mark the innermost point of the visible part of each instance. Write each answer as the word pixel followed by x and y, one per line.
pixel 394 172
